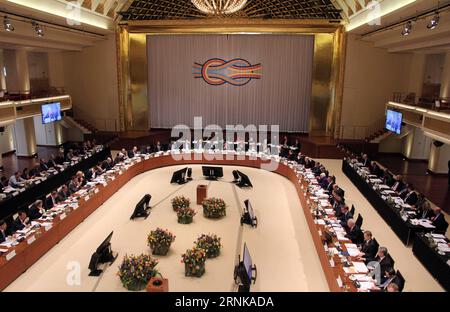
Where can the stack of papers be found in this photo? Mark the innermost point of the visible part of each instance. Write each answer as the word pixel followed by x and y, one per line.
pixel 444 247
pixel 366 285
pixel 360 267
pixel 352 250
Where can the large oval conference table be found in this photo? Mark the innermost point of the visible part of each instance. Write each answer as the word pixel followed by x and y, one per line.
pixel 21 257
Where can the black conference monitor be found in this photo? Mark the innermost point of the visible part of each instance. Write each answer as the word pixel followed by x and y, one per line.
pixel 140 211
pixel 244 271
pixel 212 173
pixel 179 176
pixel 244 180
pixel 103 254
pixel 249 216
pixel 236 176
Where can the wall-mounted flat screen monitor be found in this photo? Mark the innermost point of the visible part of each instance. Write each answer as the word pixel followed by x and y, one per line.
pixel 394 121
pixel 51 112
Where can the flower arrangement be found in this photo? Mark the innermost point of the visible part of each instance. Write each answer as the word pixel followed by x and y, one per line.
pixel 185 216
pixel 136 271
pixel 159 241
pixel 214 208
pixel 180 202
pixel 210 243
pixel 194 262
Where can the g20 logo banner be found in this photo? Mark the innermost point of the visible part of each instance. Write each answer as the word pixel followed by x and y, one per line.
pixel 236 72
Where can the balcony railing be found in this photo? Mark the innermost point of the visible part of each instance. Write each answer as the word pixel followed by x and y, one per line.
pixel 29 95
pixel 409 98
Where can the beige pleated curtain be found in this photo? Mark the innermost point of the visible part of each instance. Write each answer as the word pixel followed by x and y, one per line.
pixel 282 97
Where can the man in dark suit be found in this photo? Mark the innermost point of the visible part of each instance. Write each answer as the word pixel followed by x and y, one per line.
pixel 158 147
pixel 146 150
pixel 375 169
pixel 42 165
pixel 329 186
pixel 4 231
pixel 345 215
pixel 52 200
pixel 51 162
pixel 390 278
pixel 438 220
pixel 337 204
pixel 301 159
pixel 411 196
pixel 36 210
pixel 369 247
pixel 133 152
pixel 64 193
pixel 354 233
pixel 22 221
pixel 365 160
pixel 398 185
pixel 384 260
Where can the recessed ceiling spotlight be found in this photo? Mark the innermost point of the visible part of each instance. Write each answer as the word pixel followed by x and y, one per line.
pixel 407 29
pixel 7 24
pixel 434 22
pixel 38 29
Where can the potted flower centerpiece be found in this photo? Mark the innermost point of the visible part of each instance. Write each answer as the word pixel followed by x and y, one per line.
pixel 159 241
pixel 194 262
pixel 185 216
pixel 210 243
pixel 214 208
pixel 136 271
pixel 180 202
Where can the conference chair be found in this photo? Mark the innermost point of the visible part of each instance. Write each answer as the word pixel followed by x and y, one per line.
pixel 443 230
pixel 401 281
pixel 359 220
pixel 376 243
pixel 352 211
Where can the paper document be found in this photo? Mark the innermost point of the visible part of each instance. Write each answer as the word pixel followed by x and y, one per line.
pixel 360 267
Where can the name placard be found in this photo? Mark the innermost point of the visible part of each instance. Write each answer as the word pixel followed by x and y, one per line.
pixel 48 228
pixel 96 191
pixel 105 184
pixel 62 216
pixel 11 255
pixel 31 240
pixel 86 198
pixel 120 172
pixel 113 178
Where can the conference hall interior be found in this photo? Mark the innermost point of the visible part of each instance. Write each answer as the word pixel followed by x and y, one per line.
pixel 224 146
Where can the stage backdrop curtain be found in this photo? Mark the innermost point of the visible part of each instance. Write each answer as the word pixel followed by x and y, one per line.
pixel 282 97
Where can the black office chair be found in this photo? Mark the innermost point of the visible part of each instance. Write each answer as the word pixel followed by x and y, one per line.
pixel 352 211
pixel 443 229
pixel 376 243
pixel 388 256
pixel 359 220
pixel 401 281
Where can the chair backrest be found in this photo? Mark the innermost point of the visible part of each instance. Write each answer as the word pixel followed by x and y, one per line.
pixel 443 230
pixel 376 243
pixel 401 281
pixel 392 260
pixel 352 211
pixel 359 220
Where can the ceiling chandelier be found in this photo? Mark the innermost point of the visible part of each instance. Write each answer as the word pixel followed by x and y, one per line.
pixel 219 7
